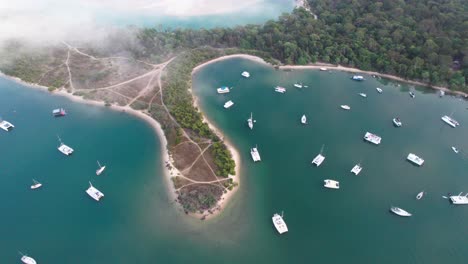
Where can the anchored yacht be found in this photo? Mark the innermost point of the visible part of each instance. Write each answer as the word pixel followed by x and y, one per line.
pixel 379 90
pixel 228 104
pixel 323 69
pixel 345 107
pixel 441 93
pixel 374 139
pixel 7 126
pixel 94 193
pixel 420 195
pixel 280 89
pixel 59 112
pixel 459 199
pixel 318 159
pixel 245 74
pixel 35 184
pixel 279 223
pixel 223 90
pixel 415 159
pixel 64 148
pixel 28 260
pixel 450 121
pixel 255 155
pixel 363 95
pixel 397 122
pixel 298 85
pixel 304 119
pixel 250 121
pixel 412 94
pixel 399 211
pixel 358 78
pixel 455 149
pixel 101 169
pixel 331 184
pixel 356 169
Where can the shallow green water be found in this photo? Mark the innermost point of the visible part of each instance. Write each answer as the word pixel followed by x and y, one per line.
pixel 353 224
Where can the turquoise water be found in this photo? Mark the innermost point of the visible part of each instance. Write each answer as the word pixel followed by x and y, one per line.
pixel 353 224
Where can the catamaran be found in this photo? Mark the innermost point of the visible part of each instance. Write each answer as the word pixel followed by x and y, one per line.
pixel 255 155
pixel 304 119
pixel 450 121
pixel 356 169
pixel 35 184
pixel 420 195
pixel 101 169
pixel 459 199
pixel 399 211
pixel 59 112
pixel 298 85
pixel 228 104
pixel 250 121
pixel 415 159
pixel 223 90
pixel 331 184
pixel 279 223
pixel 27 259
pixel 64 148
pixel 455 149
pixel 280 89
pixel 358 78
pixel 374 139
pixel 379 90
pixel 245 74
pixel 363 95
pixel 94 193
pixel 397 122
pixel 345 107
pixel 7 126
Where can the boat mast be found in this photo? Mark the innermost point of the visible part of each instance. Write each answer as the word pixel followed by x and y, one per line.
pixel 321 150
pixel 99 164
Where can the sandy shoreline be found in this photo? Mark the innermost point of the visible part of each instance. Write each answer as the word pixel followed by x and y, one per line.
pixel 152 122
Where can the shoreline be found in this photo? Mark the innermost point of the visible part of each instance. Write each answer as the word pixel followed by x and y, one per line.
pixel 165 157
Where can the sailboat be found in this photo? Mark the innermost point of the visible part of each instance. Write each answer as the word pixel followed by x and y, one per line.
pixel 250 121
pixel 304 119
pixel 101 169
pixel 36 184
pixel 27 259
pixel 420 195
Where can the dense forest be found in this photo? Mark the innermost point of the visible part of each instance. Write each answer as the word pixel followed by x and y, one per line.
pixel 420 40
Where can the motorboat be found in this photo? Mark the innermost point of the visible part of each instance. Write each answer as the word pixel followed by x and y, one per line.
pixel 397 122
pixel 358 78
pixel 59 112
pixel 255 155
pixel 372 138
pixel 441 93
pixel 455 149
pixel 331 184
pixel 379 90
pixel 223 90
pixel 280 89
pixel 399 211
pixel 245 74
pixel 450 121
pixel 345 107
pixel 279 223
pixel 250 122
pixel 7 126
pixel 28 260
pixel 363 95
pixel 94 193
pixel 356 169
pixel 415 159
pixel 36 185
pixel 420 195
pixel 304 119
pixel 459 199
pixel 323 69
pixel 101 169
pixel 298 85
pixel 228 104
pixel 412 94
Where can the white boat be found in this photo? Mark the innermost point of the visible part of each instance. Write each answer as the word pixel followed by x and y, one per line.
pixel 397 122
pixel 228 104
pixel 374 139
pixel 35 184
pixel 323 69
pixel 64 148
pixel 279 223
pixel 59 112
pixel 304 119
pixel 379 90
pixel 358 78
pixel 412 94
pixel 455 149
pixel 356 169
pixel 101 169
pixel 363 95
pixel 223 90
pixel 280 89
pixel 441 93
pixel 420 195
pixel 28 260
pixel 255 155
pixel 345 107
pixel 245 74
pixel 331 184
pixel 250 122
pixel 7 126
pixel 318 160
pixel 298 85
pixel 415 159
pixel 94 193
pixel 399 211
pixel 450 121
pixel 459 199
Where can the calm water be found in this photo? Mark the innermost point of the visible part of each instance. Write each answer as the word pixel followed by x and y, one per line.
pixel 353 224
